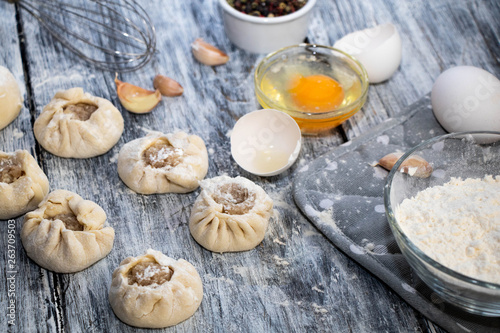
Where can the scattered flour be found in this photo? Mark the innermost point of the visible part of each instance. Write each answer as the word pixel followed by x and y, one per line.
pixel 408 288
pixel 17 133
pixel 380 173
pixel 280 261
pixel 458 225
pixel 114 158
pixel 380 208
pixel 304 168
pixel 438 146
pixel 277 240
pixel 210 277
pixel 357 249
pixel 242 270
pixel 211 151
pixel 318 290
pixel 438 173
pixel 383 139
pixel 326 203
pixel 319 309
pixel 332 166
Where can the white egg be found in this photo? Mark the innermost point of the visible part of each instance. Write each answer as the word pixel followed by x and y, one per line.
pixel 467 98
pixel 265 142
pixel 378 49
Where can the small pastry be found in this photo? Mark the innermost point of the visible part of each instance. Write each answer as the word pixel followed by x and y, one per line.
pixel 163 163
pixel 79 125
pixel 155 291
pixel 230 214
pixel 23 185
pixel 66 234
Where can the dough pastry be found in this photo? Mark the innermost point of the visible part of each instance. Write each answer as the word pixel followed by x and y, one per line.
pixel 65 234
pixel 11 100
pixel 23 185
pixel 77 124
pixel 155 291
pixel 162 163
pixel 230 214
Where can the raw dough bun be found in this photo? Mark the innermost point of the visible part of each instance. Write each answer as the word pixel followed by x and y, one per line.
pixel 163 163
pixel 77 124
pixel 155 291
pixel 23 185
pixel 11 100
pixel 65 234
pixel 230 214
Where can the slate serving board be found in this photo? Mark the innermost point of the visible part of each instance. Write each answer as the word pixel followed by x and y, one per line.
pixel 342 195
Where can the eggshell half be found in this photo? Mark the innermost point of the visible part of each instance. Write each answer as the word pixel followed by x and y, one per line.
pixel 378 49
pixel 260 130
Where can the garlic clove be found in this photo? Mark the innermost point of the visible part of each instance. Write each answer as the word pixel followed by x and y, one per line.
pixel 167 86
pixel 415 165
pixel 208 54
pixel 136 99
pixel 388 161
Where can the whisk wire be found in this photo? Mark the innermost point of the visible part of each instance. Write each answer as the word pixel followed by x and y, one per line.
pixel 114 35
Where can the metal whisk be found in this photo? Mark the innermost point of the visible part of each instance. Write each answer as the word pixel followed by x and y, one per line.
pixel 113 35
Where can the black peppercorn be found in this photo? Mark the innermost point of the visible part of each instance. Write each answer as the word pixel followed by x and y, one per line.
pixel 267 8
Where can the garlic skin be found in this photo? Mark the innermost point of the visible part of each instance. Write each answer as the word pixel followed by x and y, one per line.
pixel 208 54
pixel 167 86
pixel 414 166
pixel 136 99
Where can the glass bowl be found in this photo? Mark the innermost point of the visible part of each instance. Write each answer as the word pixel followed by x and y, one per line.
pixel 464 155
pixel 276 70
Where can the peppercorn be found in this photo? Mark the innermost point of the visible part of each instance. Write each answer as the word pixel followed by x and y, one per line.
pixel 267 8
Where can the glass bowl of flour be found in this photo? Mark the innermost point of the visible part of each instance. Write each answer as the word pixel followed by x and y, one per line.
pixel 447 222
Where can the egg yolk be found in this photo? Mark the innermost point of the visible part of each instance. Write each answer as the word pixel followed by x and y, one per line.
pixel 315 93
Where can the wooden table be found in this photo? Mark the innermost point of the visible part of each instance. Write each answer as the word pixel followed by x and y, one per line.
pixel 296 280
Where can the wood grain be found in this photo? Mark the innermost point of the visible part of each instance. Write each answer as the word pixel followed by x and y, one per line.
pixel 296 280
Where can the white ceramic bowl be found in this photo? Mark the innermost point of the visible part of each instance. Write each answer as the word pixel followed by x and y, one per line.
pixel 266 34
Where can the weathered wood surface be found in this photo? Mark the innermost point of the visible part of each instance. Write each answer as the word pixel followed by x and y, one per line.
pixel 296 280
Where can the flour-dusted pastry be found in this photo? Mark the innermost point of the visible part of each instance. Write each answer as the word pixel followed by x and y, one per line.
pixel 163 163
pixel 77 124
pixel 11 100
pixel 154 290
pixel 230 214
pixel 23 185
pixel 66 233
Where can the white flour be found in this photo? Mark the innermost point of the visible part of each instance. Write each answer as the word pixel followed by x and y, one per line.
pixel 458 225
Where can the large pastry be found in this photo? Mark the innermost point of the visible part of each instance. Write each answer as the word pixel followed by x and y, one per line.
pixel 79 125
pixel 230 214
pixel 155 291
pixel 11 100
pixel 162 163
pixel 66 234
pixel 23 185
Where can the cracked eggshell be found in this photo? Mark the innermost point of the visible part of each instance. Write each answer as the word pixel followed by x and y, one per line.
pixel 378 49
pixel 265 142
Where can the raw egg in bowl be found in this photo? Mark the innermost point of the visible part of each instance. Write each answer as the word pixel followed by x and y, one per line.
pixel 318 86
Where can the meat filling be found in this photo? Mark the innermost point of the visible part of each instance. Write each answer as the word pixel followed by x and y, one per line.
pixel 70 221
pixel 80 111
pixel 10 171
pixel 163 155
pixel 149 273
pixel 234 198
